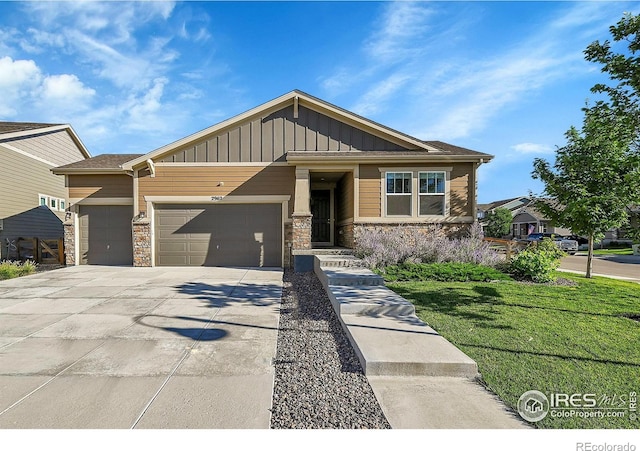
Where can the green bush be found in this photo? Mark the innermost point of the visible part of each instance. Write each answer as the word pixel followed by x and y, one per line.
pixel 444 272
pixel 537 262
pixel 9 270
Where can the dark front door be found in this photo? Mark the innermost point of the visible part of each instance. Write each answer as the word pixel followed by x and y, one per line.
pixel 321 212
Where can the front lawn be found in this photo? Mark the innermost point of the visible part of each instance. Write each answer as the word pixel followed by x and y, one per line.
pixel 626 251
pixel 551 338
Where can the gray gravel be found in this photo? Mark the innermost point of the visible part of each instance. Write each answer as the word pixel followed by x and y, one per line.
pixel 319 382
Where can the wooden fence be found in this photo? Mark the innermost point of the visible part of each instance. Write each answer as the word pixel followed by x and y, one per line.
pixel 41 251
pixel 508 247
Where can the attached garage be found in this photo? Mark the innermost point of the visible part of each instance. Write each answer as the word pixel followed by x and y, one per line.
pixel 218 235
pixel 105 234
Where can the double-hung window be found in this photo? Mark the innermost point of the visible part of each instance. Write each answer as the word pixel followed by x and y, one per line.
pixel 431 193
pixel 415 194
pixel 399 193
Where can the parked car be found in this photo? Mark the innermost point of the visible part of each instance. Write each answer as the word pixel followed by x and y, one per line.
pixel 567 245
pixel 580 239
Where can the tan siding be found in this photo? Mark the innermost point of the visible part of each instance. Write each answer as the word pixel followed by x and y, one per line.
pixel 268 138
pixel 459 190
pixel 369 191
pixel 56 147
pixel 100 186
pixel 204 181
pixel 21 180
pixel 345 197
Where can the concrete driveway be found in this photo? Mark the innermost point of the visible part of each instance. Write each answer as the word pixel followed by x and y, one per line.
pixel 625 267
pixel 113 347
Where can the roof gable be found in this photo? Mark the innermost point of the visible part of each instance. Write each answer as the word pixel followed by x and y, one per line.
pixel 52 143
pixel 325 126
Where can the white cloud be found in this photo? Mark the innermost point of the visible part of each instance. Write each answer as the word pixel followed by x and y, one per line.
pixel 66 92
pixel 532 148
pixel 380 93
pixel 401 25
pixel 18 79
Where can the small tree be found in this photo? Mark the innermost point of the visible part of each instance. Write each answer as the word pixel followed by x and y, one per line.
pixel 499 223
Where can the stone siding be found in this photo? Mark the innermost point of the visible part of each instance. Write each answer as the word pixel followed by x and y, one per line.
pixel 301 236
pixel 345 236
pixel 141 244
pixel 69 243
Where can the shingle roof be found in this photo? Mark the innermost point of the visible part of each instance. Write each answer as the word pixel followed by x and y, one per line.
pixel 453 150
pixel 12 127
pixel 104 161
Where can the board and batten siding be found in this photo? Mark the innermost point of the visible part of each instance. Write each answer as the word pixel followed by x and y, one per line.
pixel 97 186
pixel 371 189
pixel 22 179
pixel 267 139
pixel 56 147
pixel 217 181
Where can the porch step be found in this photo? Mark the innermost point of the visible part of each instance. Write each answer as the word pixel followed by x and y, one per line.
pixel 343 260
pixel 324 251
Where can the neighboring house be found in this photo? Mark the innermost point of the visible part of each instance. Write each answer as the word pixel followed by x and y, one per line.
pixel 528 220
pixel 265 186
pixel 33 199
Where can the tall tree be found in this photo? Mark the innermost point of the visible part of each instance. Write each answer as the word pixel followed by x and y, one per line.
pixel 499 223
pixel 596 175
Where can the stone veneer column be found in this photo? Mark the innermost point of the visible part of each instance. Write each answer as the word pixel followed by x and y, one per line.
pixel 301 231
pixel 142 243
pixel 69 243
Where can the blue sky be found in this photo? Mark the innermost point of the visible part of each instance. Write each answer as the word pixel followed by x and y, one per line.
pixel 506 78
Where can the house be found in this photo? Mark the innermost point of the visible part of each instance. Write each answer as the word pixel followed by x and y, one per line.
pixel 264 188
pixel 33 199
pixel 513 204
pixel 528 220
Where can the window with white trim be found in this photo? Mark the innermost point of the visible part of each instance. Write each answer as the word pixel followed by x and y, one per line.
pixel 52 202
pixel 399 193
pixel 431 193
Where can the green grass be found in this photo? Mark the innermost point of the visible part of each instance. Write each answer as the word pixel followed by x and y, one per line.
pixel 551 338
pixel 627 251
pixel 9 270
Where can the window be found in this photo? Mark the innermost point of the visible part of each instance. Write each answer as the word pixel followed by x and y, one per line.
pixel 399 193
pixel 431 193
pixel 53 203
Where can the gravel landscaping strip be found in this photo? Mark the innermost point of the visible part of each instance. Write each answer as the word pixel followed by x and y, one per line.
pixel 319 382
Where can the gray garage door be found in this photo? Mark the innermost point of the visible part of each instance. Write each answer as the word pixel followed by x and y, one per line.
pixel 219 235
pixel 105 235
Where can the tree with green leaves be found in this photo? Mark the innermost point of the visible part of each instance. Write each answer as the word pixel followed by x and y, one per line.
pixel 596 175
pixel 498 223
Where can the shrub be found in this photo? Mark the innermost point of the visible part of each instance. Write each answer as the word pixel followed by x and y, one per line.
pixel 9 270
pixel 537 262
pixel 444 272
pixel 379 248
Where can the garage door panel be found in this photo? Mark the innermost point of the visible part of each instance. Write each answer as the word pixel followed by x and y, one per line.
pixel 219 235
pixel 105 234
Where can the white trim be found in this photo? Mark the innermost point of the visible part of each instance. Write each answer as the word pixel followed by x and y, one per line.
pixel 48 200
pixel 76 235
pixel 363 158
pixel 101 201
pixel 152 168
pixel 356 191
pixel 136 193
pixel 27 154
pixel 445 194
pixel 221 164
pixel 420 220
pixel 410 194
pixel 414 169
pixel 415 194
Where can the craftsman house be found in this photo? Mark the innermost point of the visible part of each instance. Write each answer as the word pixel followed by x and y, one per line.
pixel 264 188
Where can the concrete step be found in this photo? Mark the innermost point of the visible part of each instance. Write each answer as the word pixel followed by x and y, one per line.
pixel 369 300
pixel 404 346
pixel 329 251
pixel 332 261
pixel 350 277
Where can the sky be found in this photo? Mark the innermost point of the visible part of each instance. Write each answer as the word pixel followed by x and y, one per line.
pixel 504 78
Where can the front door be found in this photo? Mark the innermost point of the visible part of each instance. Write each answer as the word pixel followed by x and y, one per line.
pixel 321 216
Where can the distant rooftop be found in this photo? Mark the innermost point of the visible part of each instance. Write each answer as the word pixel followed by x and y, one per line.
pixel 104 161
pixel 12 127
